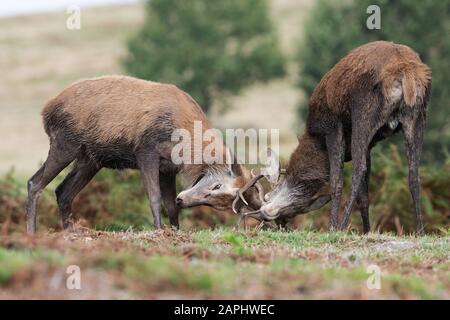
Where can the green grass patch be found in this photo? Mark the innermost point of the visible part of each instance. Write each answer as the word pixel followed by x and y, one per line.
pixel 14 260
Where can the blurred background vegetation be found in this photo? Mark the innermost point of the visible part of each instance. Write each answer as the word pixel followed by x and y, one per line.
pixel 260 59
pixel 208 48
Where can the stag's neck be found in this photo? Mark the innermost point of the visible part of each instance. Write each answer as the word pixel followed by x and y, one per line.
pixel 308 166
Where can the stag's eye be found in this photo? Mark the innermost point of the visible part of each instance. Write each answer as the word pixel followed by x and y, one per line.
pixel 216 187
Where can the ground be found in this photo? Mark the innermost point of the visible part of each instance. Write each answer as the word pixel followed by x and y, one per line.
pixel 224 263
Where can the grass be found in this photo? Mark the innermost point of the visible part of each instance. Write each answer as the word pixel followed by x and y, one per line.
pixel 226 263
pixel 14 261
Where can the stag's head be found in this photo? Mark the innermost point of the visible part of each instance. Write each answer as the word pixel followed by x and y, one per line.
pixel 290 194
pixel 217 186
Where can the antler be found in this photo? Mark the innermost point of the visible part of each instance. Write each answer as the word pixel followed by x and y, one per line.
pixel 248 185
pixel 252 214
pixel 240 196
pixel 255 215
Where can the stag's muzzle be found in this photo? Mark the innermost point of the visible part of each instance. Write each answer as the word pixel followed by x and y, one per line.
pixel 188 199
pixel 268 212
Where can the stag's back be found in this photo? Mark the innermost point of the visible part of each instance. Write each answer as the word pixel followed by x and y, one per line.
pixel 111 108
pixel 396 68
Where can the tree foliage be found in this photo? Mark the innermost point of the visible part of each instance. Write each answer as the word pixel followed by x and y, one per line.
pixel 336 27
pixel 207 47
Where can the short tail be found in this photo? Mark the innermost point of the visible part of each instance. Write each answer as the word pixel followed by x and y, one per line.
pixel 51 114
pixel 416 82
pixel 409 81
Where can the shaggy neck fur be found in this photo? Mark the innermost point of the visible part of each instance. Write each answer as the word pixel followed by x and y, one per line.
pixel 308 167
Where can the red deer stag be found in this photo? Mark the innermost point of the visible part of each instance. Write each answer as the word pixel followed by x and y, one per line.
pixel 373 92
pixel 121 122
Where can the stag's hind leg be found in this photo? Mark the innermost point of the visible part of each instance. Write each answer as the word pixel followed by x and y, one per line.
pixel 83 172
pixel 359 150
pixel 413 125
pixel 59 156
pixel 368 116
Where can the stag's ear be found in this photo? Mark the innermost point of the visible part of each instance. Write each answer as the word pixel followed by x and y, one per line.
pixel 272 170
pixel 234 169
pixel 317 202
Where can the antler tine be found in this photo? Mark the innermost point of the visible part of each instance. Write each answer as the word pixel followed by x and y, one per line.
pixel 250 213
pixel 255 215
pixel 233 206
pixel 250 184
pixel 260 192
pixel 258 187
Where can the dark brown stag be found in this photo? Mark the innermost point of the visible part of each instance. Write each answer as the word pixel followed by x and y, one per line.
pixel 375 91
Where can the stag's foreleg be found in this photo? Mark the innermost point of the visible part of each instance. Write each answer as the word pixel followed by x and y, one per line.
pixel 169 193
pixel 336 150
pixel 363 198
pixel 413 126
pixel 149 167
